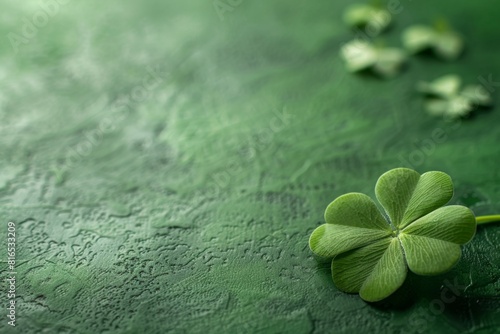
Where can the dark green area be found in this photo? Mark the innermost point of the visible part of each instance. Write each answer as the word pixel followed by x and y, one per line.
pixel 187 208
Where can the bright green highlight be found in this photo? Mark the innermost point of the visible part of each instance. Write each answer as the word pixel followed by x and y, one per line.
pixel 371 256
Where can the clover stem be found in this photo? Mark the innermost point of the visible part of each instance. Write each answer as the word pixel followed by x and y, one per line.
pixel 487 219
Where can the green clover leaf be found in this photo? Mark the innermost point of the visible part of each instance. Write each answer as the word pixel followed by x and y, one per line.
pixel 372 17
pixel 446 98
pixel 360 55
pixel 444 42
pixel 371 254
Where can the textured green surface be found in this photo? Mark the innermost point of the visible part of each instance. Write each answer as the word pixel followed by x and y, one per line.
pixel 186 207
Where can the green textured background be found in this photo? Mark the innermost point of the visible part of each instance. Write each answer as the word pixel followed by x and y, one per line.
pixel 186 207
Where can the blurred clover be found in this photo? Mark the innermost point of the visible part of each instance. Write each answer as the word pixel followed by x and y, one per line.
pixel 373 18
pixel 371 254
pixel 444 42
pixel 445 98
pixel 360 55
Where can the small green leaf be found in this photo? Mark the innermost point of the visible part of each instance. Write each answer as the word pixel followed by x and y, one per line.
pixel 375 271
pixel 418 38
pixel 365 15
pixel 454 107
pixel 448 45
pixel 433 190
pixel 394 190
pixel 407 195
pixel 359 55
pixel 351 269
pixel 387 276
pixel 454 223
pixel 445 43
pixel 444 87
pixel 428 256
pixel 329 240
pixel 477 95
pixel 357 210
pixel 352 221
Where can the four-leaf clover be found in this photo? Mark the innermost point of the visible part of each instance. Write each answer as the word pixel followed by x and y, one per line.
pixel 371 253
pixel 446 98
